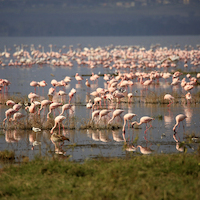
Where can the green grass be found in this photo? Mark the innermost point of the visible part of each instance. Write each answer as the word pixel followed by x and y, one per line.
pixel 175 176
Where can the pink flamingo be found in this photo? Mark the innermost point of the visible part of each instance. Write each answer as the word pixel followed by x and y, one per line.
pixel 31 108
pixel 95 114
pixel 53 106
pixel 10 103
pixel 116 113
pixel 188 97
pixel 58 121
pixel 42 84
pixel 96 100
pixel 89 104
pixel 170 98
pixel 9 113
pixel 71 94
pixel 179 118
pixel 94 77
pixel 34 84
pixel 17 116
pixel 127 117
pixel 103 113
pixel 94 94
pixel 78 77
pixel 144 119
pixel 147 82
pixel 51 91
pixel 130 95
pixel 43 104
pixel 17 107
pixel 62 94
pixel 54 83
pixel 118 95
pixel 66 107
pixel 32 96
pixel 87 84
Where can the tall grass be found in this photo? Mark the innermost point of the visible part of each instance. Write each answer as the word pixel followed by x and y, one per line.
pixel 175 176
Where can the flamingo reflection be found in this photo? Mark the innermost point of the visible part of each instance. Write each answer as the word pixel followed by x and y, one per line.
pixel 179 147
pixel 10 136
pixel 117 137
pixel 145 150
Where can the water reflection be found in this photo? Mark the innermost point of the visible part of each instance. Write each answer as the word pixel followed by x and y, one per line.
pixel 34 139
pixel 189 113
pixel 117 136
pixel 58 142
pixel 168 119
pixel 145 149
pixel 95 135
pixel 179 146
pixel 11 136
pixel 103 137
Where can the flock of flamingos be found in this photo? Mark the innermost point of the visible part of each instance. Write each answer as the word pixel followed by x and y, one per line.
pixel 131 64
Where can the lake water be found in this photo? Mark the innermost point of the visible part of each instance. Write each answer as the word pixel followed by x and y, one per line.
pixel 93 143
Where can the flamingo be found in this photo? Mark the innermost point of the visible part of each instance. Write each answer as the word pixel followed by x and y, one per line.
pixel 17 116
pixel 58 120
pixel 51 91
pixel 10 103
pixel 31 108
pixel 130 95
pixel 32 96
pixel 34 84
pixel 127 117
pixel 148 82
pixel 116 113
pixel 96 100
pixel 62 94
pixel 71 94
pixel 103 113
pixel 95 114
pixel 118 95
pixel 17 107
pixel 188 97
pixel 89 104
pixel 66 107
pixel 179 118
pixel 87 83
pixel 54 83
pixel 52 107
pixel 78 77
pixel 144 119
pixel 43 104
pixel 9 113
pixel 170 98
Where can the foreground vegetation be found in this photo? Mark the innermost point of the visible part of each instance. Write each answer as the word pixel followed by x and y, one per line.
pixel 175 176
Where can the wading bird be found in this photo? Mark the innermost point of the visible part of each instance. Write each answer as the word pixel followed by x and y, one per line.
pixel 179 118
pixel 58 121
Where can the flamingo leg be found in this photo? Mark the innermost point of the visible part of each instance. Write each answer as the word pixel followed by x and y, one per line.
pixel 183 126
pixel 63 128
pixel 177 128
pixel 59 128
pixel 169 103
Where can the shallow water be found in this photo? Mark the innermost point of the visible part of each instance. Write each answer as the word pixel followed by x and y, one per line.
pixel 103 142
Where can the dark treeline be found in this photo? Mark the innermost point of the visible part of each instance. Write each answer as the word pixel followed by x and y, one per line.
pixel 61 26
pixel 105 18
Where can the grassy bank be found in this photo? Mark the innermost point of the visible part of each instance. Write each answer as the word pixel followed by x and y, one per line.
pixel 175 176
